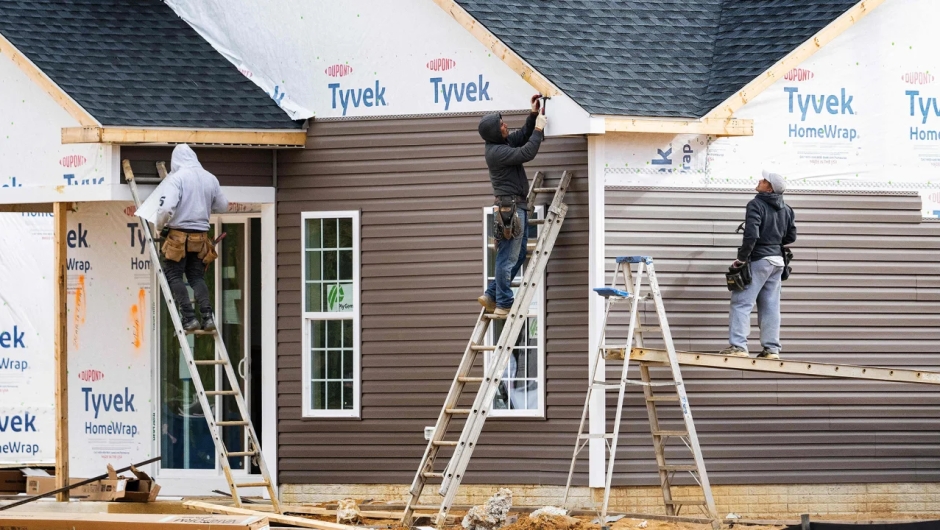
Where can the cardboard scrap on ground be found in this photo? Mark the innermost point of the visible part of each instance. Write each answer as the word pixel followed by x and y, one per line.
pixel 12 481
pixel 142 488
pixel 118 521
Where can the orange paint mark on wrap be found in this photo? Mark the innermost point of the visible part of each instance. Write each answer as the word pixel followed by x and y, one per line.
pixel 137 318
pixel 79 317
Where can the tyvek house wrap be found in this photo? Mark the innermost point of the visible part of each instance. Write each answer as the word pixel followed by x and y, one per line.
pixel 110 326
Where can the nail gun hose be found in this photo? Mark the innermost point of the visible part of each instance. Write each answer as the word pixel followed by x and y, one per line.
pixel 77 484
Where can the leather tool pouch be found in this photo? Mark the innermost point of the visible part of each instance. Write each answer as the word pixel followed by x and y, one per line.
pixel 174 246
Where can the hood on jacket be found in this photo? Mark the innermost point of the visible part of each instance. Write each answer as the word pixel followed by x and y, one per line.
pixel 183 156
pixel 489 128
pixel 773 199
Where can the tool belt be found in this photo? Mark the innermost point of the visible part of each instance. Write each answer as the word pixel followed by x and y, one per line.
pixel 506 224
pixel 787 256
pixel 739 277
pixel 178 243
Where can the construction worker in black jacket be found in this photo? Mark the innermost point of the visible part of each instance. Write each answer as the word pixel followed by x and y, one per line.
pixel 505 154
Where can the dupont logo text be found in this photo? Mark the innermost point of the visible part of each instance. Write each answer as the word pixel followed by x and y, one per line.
pixel 917 78
pixel 72 161
pixel 91 375
pixel 441 65
pixel 799 74
pixel 338 70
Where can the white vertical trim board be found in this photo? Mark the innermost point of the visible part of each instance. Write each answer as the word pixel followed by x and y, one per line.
pixel 269 339
pixel 596 278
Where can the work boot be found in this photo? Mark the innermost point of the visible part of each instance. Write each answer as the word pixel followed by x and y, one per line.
pixel 767 354
pixel 734 351
pixel 191 325
pixel 208 322
pixel 488 303
pixel 501 311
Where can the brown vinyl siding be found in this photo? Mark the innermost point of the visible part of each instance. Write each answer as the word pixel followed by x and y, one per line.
pixel 421 184
pixel 865 289
pixel 232 166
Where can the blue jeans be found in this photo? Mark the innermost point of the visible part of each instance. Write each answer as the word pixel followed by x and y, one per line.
pixel 765 290
pixel 510 255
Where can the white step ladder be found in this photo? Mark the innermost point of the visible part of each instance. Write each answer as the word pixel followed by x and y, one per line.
pixel 488 384
pixel 620 296
pixel 221 360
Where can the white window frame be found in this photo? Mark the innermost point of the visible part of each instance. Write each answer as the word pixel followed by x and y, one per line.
pixel 308 316
pixel 538 412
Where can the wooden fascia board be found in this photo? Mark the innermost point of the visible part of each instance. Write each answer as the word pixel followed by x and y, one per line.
pixel 728 107
pixel 136 135
pixel 511 58
pixel 37 207
pixel 709 126
pixel 44 82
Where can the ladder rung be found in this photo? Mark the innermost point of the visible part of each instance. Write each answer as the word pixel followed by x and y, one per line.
pixel 252 485
pixel 606 386
pixel 670 433
pixel 458 411
pixel 231 423
pixel 493 316
pixel 536 221
pixel 221 392
pixel 432 475
pixel 214 361
pixel 596 436
pixel 649 328
pixel 201 332
pixel 663 398
pixel 679 467
pixel 241 453
pixel 446 443
pixel 468 379
pixel 686 503
pixel 480 347
pixel 545 190
pixel 644 383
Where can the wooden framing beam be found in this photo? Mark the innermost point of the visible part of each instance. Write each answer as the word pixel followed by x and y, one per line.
pixel 273 517
pixel 44 82
pixel 511 58
pixel 38 207
pixel 773 74
pixel 61 347
pixel 136 135
pixel 783 366
pixel 710 126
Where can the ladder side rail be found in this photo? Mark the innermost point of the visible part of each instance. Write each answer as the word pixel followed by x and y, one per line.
pixel 181 336
pixel 245 416
pixel 592 377
pixel 536 183
pixel 623 383
pixel 504 348
pixel 683 398
pixel 659 442
pixel 443 419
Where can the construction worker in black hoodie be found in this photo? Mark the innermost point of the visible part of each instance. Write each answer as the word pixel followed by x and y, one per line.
pixel 768 227
pixel 505 154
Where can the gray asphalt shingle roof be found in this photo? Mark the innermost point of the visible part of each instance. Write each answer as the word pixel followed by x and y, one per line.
pixel 667 58
pixel 135 63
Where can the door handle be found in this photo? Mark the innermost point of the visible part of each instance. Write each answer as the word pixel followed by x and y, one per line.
pixel 241 367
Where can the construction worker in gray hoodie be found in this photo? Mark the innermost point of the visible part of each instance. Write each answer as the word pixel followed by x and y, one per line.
pixel 505 154
pixel 188 196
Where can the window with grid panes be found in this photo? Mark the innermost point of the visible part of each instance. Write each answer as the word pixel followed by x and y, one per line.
pixel 522 389
pixel 330 299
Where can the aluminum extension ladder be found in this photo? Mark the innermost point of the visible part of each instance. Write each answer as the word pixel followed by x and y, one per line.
pixel 614 296
pixel 222 360
pixel 489 383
